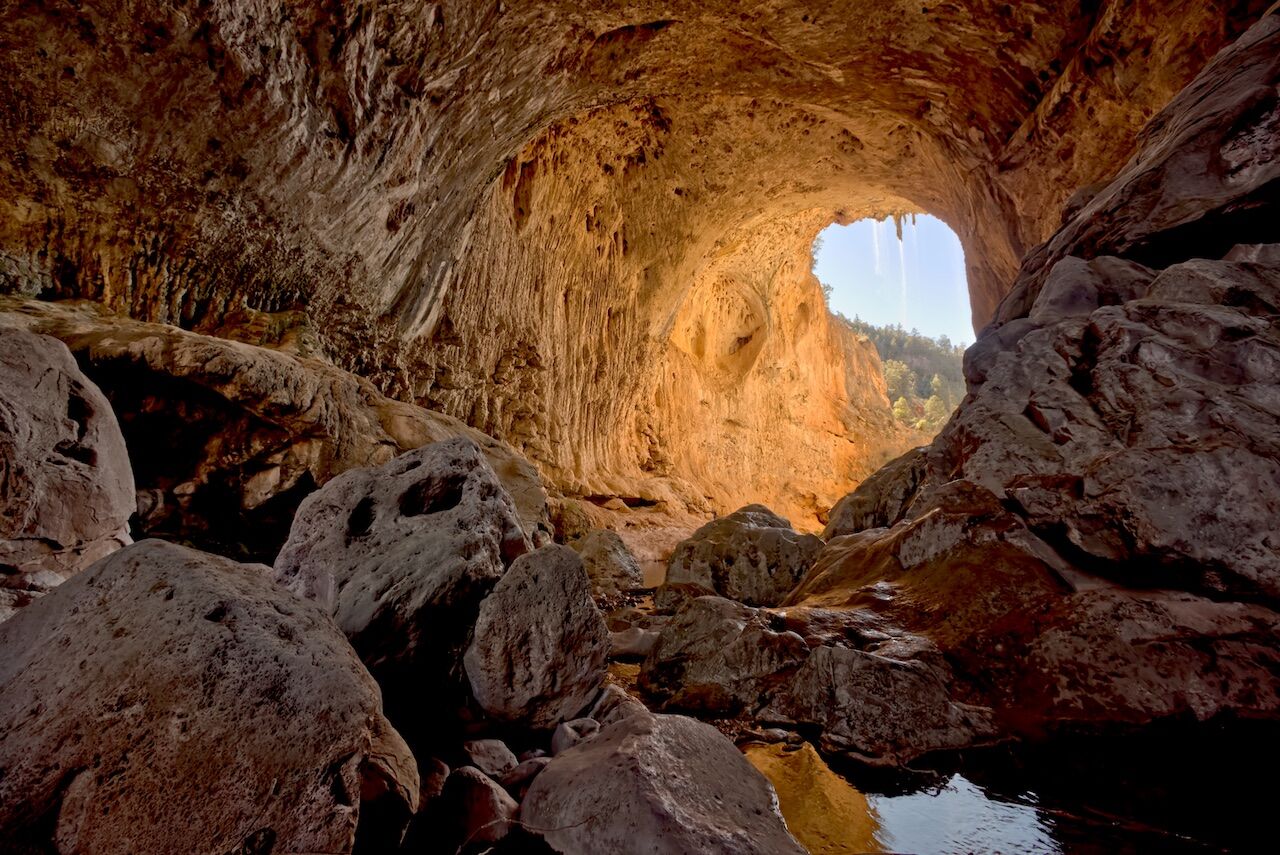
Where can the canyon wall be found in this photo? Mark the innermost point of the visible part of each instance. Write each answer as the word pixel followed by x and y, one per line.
pixel 583 228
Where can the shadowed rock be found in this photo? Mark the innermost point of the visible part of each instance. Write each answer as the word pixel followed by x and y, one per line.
pixel 540 644
pixel 66 489
pixel 402 555
pixel 246 432
pixel 656 784
pixel 166 700
pixel 719 657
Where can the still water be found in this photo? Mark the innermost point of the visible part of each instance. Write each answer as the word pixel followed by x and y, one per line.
pixel 1179 789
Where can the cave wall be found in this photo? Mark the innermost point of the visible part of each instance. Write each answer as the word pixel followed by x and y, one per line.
pixel 582 227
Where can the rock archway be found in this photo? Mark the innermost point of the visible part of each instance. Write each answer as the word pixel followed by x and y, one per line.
pixel 581 227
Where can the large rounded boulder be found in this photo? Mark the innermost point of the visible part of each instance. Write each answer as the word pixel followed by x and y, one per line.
pixel 66 488
pixel 166 700
pixel 658 785
pixel 401 555
pixel 752 556
pixel 540 645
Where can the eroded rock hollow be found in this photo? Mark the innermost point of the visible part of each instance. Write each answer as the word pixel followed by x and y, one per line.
pixel 581 228
pixel 492 328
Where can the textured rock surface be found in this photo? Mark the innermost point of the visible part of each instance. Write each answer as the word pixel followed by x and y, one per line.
pixel 1092 539
pixel 402 555
pixel 656 784
pixel 66 488
pixel 610 566
pixel 886 706
pixel 227 438
pixel 168 700
pixel 502 211
pixel 881 499
pixel 718 657
pixel 540 644
pixel 479 810
pixel 752 556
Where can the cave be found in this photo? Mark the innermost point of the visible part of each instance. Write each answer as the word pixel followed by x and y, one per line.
pixel 480 350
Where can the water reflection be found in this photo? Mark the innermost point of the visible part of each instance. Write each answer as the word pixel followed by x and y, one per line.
pixel 960 817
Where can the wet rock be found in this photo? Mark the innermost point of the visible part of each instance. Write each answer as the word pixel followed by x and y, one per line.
pixel 752 556
pixel 885 706
pixel 719 657
pixel 491 756
pixel 656 784
pixel 823 810
pixel 249 431
pixel 570 733
pixel 401 555
pixel 166 700
pixel 66 487
pixel 540 644
pixel 880 500
pixel 610 566
pixel 479 810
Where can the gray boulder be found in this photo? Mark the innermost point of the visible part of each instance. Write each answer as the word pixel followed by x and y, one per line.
pixel 491 756
pixel 885 706
pixel 656 784
pixel 166 700
pixel 610 565
pixel 752 556
pixel 401 555
pixel 66 487
pixel 882 499
pixel 719 657
pixel 540 644
pixel 479 809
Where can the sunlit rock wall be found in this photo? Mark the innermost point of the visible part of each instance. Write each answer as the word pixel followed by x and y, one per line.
pixel 523 213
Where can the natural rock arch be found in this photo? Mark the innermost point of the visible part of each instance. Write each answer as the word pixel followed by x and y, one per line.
pixel 519 212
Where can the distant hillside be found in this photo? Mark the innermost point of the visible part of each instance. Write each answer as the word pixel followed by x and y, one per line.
pixel 923 374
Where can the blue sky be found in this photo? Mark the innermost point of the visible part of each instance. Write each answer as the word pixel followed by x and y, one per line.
pixel 919 283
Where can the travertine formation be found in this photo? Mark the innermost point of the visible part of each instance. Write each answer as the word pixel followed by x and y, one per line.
pixel 584 228
pixel 228 438
pixel 581 227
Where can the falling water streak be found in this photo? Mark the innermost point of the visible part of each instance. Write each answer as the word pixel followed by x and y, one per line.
pixel 875 242
pixel 902 280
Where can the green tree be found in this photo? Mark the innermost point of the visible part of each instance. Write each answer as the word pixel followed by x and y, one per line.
pixel 936 412
pixel 902 410
pixel 899 379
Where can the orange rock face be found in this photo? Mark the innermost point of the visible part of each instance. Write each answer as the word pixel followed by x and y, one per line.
pixel 580 227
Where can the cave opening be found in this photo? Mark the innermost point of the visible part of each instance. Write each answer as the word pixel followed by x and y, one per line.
pixel 900 282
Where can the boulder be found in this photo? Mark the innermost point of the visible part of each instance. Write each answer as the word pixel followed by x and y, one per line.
pixel 517 781
pixel 479 810
pixel 491 756
pixel 656 784
pixel 610 566
pixel 884 706
pixel 570 733
pixel 166 700
pixel 752 556
pixel 401 555
pixel 540 644
pixel 880 500
pixel 718 657
pixel 66 488
pixel 248 431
